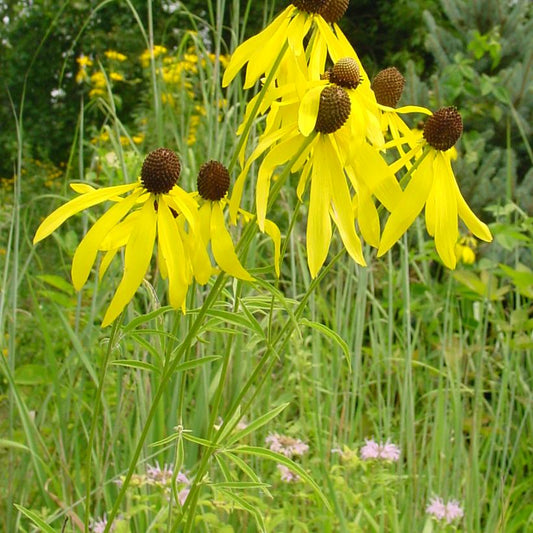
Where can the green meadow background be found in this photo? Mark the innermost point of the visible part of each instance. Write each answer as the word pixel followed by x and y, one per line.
pixel 440 362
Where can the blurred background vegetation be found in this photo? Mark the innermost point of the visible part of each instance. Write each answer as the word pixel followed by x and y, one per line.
pixel 475 55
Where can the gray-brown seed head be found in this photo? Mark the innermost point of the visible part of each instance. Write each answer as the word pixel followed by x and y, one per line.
pixel 334 10
pixel 213 181
pixel 333 110
pixel 310 6
pixel 388 86
pixel 160 171
pixel 443 129
pixel 345 72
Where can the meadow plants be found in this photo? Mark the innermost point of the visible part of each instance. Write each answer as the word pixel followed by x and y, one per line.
pixel 249 310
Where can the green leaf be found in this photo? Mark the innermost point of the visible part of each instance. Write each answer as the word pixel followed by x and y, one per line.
pixel 31 374
pixel 230 317
pixel 188 365
pixel 58 283
pixel 281 459
pixel 136 322
pixel 131 363
pixel 244 466
pixel 239 485
pixel 6 443
pixel 335 337
pixel 257 423
pixel 36 519
pixel 241 503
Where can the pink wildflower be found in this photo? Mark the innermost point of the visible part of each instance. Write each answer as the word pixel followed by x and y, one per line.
pixel 387 451
pixel 159 476
pixel 441 511
pixel 287 474
pixel 288 446
pixel 98 526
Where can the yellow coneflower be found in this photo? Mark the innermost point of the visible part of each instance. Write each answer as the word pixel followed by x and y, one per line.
pixel 433 185
pixel 133 222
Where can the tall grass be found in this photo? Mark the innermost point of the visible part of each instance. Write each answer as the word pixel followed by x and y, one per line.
pixel 401 350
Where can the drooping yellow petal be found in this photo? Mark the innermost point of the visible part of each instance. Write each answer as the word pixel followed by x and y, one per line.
pixel 445 205
pixel 410 204
pixel 56 218
pixel 222 246
pixel 280 154
pixel 318 53
pixel 296 32
pixel 272 230
pixel 136 262
pixel 308 111
pixel 196 249
pixel 265 56
pixel 248 49
pixel 376 175
pixel 184 202
pixel 205 222
pixel 476 226
pixel 341 203
pixel 367 216
pixel 119 235
pixel 264 143
pixel 173 253
pixel 318 234
pixel 304 178
pixel 82 188
pixel 431 210
pixel 86 252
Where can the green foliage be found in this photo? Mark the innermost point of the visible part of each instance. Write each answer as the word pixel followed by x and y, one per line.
pixel 483 57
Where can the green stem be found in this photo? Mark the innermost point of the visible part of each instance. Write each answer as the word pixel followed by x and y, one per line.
pixel 97 405
pixel 282 338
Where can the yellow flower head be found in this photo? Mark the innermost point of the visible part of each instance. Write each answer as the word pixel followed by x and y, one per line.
pixel 133 222
pixel 157 51
pixel 213 184
pixel 98 80
pixel 324 133
pixel 84 61
pixel 433 185
pixel 113 55
pixel 116 76
pixel 465 250
pixel 288 32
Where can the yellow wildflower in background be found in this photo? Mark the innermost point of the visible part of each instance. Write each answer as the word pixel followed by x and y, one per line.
pixel 98 80
pixel 83 62
pixel 132 223
pixel 113 55
pixel 465 250
pixel 116 76
pixel 157 51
